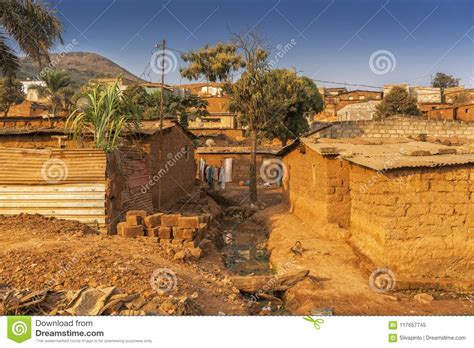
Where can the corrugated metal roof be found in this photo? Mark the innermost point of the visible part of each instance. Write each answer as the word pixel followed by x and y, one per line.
pixel 56 166
pixel 392 154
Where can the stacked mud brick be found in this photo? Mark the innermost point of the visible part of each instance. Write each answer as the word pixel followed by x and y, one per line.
pixel 171 229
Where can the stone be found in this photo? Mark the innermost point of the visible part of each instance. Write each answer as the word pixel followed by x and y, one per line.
pixel 423 298
pixel 188 222
pixel 153 232
pixel 195 252
pixel 134 220
pixel 141 213
pixel 164 232
pixel 153 221
pixel 184 233
pixel 180 255
pixel 190 244
pixel 170 220
pixel 132 231
pixel 120 227
pixel 165 242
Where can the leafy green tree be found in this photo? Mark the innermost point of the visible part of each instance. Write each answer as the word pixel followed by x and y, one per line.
pixel 215 63
pixel 56 90
pixel 252 96
pixel 294 97
pixel 11 93
pixel 33 26
pixel 141 98
pixel 189 106
pixel 107 115
pixel 397 102
pixel 443 81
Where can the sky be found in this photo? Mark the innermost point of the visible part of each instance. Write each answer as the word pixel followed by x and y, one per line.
pixel 365 42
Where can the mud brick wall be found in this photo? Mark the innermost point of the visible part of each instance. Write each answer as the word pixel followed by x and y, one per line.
pixel 417 222
pixel 317 188
pixel 397 127
pixel 177 169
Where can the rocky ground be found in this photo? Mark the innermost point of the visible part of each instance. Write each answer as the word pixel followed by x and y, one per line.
pixel 39 253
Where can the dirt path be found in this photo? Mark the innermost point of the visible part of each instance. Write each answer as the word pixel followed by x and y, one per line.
pixel 336 281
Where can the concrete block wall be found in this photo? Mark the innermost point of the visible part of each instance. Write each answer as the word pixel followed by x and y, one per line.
pixel 397 127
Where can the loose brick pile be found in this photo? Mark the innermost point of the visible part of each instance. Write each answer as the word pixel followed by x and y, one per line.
pixel 183 233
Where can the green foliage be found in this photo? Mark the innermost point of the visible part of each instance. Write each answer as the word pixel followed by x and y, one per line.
pixel 33 26
pixel 294 98
pixel 397 102
pixel 57 90
pixel 212 62
pixel 148 105
pixel 11 93
pixel 443 81
pixel 109 113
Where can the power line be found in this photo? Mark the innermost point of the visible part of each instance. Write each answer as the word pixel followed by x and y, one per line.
pixel 347 84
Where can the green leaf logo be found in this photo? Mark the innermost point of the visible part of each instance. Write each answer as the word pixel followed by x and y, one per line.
pixel 19 328
pixel 316 322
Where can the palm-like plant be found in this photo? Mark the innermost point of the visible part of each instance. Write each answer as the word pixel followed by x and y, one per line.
pixel 56 89
pixel 33 26
pixel 107 115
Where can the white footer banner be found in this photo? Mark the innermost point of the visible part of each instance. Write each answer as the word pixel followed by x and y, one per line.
pixel 222 331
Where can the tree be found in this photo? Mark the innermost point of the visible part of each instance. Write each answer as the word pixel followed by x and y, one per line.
pixel 444 81
pixel 141 98
pixel 215 63
pixel 294 97
pixel 188 106
pixel 251 95
pixel 56 90
pixel 396 102
pixel 11 93
pixel 108 114
pixel 33 26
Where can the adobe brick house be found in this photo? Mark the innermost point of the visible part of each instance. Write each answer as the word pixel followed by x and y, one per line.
pixel 402 204
pixel 129 178
pixel 215 156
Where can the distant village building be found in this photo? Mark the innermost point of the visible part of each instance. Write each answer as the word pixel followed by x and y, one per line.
pixel 219 116
pixel 358 111
pixel 32 93
pixel 422 94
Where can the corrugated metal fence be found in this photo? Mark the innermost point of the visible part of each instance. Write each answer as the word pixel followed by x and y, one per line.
pixel 67 184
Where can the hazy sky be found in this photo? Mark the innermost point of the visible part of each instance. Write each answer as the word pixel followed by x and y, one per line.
pixel 334 40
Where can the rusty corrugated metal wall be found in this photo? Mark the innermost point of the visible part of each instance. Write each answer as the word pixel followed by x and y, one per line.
pixel 67 184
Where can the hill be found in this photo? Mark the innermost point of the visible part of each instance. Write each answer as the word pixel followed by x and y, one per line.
pixel 82 66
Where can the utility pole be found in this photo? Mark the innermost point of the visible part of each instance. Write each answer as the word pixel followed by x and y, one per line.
pixel 160 144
